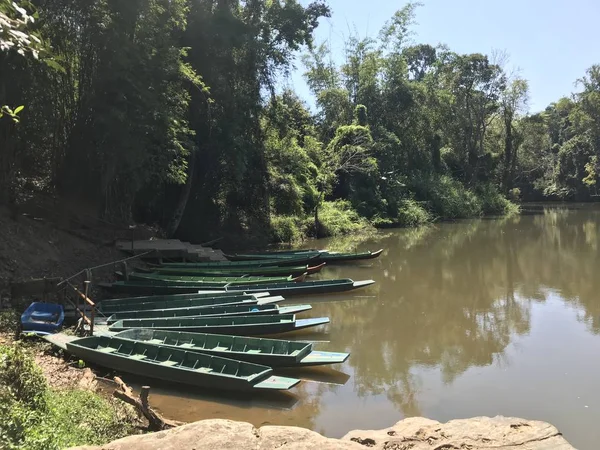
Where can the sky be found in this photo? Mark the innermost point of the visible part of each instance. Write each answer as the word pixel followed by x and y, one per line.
pixel 550 42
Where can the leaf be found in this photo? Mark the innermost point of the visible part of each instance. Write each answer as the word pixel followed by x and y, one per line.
pixel 18 109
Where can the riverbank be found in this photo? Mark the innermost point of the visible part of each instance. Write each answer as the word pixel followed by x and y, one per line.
pixel 415 433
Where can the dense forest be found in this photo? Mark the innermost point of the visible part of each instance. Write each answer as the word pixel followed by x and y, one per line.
pixel 175 112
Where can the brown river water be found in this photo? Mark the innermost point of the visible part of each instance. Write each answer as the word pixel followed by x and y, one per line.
pixel 481 317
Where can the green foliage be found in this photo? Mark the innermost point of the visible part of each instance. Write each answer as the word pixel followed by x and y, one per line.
pixel 493 202
pixel 447 198
pixel 10 321
pixel 286 229
pixel 35 417
pixel 412 214
pixel 168 112
pixel 338 218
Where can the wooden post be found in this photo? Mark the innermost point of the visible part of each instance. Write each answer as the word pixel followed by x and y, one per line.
pixel 125 271
pixel 132 228
pixel 93 311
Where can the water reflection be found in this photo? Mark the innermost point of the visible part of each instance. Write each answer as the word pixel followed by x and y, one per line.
pixel 459 314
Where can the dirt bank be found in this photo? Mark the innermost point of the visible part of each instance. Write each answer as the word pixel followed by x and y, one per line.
pixel 409 434
pixel 35 248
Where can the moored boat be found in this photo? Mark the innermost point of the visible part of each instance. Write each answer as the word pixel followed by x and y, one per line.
pixel 176 365
pixel 277 262
pixel 320 255
pixel 304 288
pixel 237 325
pixel 211 281
pixel 213 311
pixel 293 271
pixel 270 352
pixel 146 303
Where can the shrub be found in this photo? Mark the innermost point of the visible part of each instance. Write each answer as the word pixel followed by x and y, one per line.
pixel 35 417
pixel 493 202
pixel 338 218
pixel 285 229
pixel 448 198
pixel 412 214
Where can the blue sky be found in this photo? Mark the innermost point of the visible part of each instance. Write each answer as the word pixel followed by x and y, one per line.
pixel 550 42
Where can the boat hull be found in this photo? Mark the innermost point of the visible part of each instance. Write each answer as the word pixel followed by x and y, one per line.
pixel 240 325
pixel 170 365
pixel 269 352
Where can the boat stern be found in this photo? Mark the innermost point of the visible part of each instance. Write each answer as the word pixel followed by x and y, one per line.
pixel 277 383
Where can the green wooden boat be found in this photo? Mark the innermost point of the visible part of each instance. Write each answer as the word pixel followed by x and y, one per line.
pixel 270 352
pixel 287 289
pixel 294 271
pixel 212 281
pixel 270 256
pixel 330 258
pixel 213 311
pixel 320 255
pixel 225 297
pixel 149 288
pixel 166 302
pixel 297 261
pixel 176 365
pixel 306 287
pixel 238 325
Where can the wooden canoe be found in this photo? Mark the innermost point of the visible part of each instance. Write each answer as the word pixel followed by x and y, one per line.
pixel 166 302
pixel 212 281
pixel 176 365
pixel 269 256
pixel 293 271
pixel 277 262
pixel 213 311
pixel 270 352
pixel 321 256
pixel 237 325
pixel 304 288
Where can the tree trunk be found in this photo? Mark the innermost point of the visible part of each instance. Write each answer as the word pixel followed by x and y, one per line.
pixel 183 198
pixel 317 223
pixel 436 158
pixel 508 153
pixel 156 422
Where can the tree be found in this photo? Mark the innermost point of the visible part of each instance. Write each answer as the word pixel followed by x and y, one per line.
pixel 348 153
pixel 513 101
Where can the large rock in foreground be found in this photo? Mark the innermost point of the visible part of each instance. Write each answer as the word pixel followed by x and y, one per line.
pixel 409 434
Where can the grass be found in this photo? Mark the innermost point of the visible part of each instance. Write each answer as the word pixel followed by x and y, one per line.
pixel 35 416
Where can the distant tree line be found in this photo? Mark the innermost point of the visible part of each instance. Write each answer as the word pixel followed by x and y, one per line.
pixel 170 112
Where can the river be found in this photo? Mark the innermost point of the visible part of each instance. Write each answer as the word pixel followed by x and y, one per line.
pixel 480 317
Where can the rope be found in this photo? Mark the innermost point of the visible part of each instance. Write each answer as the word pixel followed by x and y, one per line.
pixel 89 270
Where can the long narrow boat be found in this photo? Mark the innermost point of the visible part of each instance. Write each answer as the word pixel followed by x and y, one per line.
pixel 212 281
pixel 166 302
pixel 294 271
pixel 304 288
pixel 146 288
pixel 214 311
pixel 270 352
pixel 307 287
pixel 321 255
pixel 282 257
pixel 343 257
pixel 277 262
pixel 176 365
pixel 238 325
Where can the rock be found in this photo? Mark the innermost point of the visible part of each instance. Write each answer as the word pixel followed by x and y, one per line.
pixel 507 433
pixel 409 434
